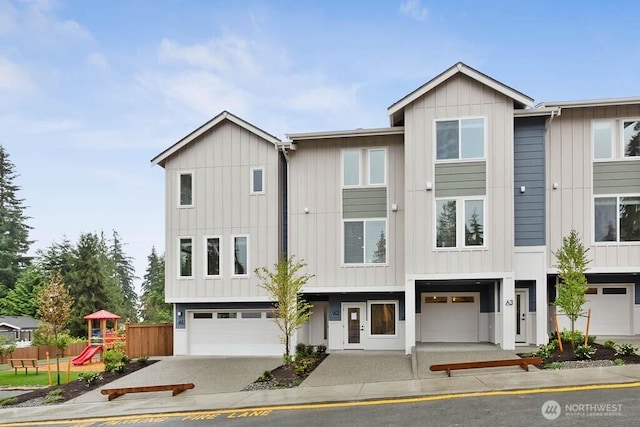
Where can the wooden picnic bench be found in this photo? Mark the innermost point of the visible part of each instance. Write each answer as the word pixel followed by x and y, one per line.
pixel 112 393
pixel 523 363
pixel 25 364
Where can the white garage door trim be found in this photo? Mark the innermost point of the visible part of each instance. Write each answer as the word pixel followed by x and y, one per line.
pixel 450 316
pixel 232 333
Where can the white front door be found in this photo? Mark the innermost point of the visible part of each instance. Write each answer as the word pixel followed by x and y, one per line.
pixel 521 315
pixel 353 323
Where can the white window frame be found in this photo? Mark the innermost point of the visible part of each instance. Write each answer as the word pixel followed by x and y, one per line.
pixel 460 223
pixel 342 153
pixel 616 242
pixel 621 143
pixel 460 159
pixel 205 251
pixel 612 124
pixel 384 179
pixel 179 188
pixel 251 190
pixel 233 255
pixel 364 249
pixel 370 317
pixel 179 260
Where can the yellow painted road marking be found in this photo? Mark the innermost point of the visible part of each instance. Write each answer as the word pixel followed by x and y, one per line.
pixel 266 410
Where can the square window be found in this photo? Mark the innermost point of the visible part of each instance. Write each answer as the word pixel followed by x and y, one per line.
pixel 350 168
pixel 186 189
pixel 602 140
pixel 631 138
pixel 473 222
pixel 446 219
pixel 257 181
pixel 186 257
pixel 241 256
pixel 377 167
pixel 213 256
pixel 460 139
pixel 383 318
pixel 365 242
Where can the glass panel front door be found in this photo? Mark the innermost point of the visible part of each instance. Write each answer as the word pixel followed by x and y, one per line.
pixel 353 322
pixel 353 314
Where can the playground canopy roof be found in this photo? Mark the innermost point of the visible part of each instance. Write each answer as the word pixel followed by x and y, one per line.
pixel 100 315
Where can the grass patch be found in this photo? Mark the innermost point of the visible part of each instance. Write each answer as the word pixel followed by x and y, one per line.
pixel 10 379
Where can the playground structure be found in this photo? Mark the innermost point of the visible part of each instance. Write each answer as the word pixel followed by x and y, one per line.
pixel 99 338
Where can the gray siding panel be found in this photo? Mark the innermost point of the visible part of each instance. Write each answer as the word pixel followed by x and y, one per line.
pixel 461 179
pixel 529 207
pixel 616 177
pixel 364 202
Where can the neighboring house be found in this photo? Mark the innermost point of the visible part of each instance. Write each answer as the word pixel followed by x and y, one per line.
pixel 18 328
pixel 438 228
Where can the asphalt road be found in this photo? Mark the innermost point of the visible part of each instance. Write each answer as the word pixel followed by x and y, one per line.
pixel 601 407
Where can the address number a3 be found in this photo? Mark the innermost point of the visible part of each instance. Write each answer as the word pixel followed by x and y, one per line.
pixel 508 302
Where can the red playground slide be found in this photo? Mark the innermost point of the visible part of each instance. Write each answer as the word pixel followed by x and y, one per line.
pixel 86 355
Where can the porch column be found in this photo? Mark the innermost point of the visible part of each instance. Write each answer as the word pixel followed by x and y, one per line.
pixel 542 336
pixel 508 314
pixel 409 315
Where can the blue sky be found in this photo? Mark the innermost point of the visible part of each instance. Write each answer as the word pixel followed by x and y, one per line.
pixel 90 91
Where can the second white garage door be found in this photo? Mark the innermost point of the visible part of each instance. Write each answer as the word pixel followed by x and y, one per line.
pixel 610 309
pixel 450 317
pixel 233 333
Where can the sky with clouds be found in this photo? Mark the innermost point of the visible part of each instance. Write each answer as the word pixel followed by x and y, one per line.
pixel 90 91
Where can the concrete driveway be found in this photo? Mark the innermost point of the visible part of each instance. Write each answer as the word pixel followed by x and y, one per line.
pixel 208 374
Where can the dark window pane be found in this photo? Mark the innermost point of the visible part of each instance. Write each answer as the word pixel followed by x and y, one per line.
pixel 614 291
pixel 383 319
pixel 186 188
pixel 632 139
pixel 629 219
pixel 353 242
pixel 447 140
pixel 605 219
pixel 213 257
pixel 227 315
pixel 240 264
pixel 474 222
pixel 376 243
pixel 203 315
pixel 186 257
pixel 257 181
pixel 435 300
pixel 446 223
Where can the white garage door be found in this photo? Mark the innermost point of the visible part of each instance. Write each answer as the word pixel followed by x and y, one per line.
pixel 233 333
pixel 451 317
pixel 610 309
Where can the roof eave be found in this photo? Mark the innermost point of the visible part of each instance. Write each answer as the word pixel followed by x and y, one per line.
pixel 396 130
pixel 605 102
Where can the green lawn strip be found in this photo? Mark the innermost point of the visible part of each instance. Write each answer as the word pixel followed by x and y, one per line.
pixel 10 379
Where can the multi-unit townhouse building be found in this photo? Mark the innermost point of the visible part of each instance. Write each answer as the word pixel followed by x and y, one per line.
pixel 441 227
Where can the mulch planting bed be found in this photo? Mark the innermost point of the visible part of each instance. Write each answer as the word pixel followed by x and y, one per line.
pixel 602 354
pixel 285 377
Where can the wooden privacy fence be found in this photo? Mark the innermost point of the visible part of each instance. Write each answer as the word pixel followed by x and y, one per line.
pixel 149 340
pixel 40 352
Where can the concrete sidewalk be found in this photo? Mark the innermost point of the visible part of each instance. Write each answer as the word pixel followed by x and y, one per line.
pixel 319 387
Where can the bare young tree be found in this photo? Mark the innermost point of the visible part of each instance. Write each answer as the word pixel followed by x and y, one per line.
pixel 284 284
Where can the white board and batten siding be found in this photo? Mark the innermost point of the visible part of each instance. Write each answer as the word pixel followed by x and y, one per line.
pixel 315 183
pixel 221 162
pixel 459 97
pixel 570 166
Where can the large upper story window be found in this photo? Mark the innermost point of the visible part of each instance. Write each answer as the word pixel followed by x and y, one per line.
pixel 365 241
pixel 372 173
pixel 186 257
pixel 185 189
pixel 240 255
pixel 614 139
pixel 460 223
pixel 212 251
pixel 460 139
pixel 631 138
pixel 617 219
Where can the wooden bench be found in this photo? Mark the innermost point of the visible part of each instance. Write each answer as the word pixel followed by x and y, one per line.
pixel 175 388
pixel 24 364
pixel 523 363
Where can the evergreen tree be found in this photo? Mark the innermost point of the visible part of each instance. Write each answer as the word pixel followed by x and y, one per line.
pixel 21 300
pixel 58 257
pixel 633 148
pixel 380 254
pixel 87 282
pixel 124 275
pixel 473 233
pixel 446 231
pixel 14 231
pixel 153 309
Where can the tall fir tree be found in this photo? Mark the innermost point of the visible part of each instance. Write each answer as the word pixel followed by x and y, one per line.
pixel 14 231
pixel 633 148
pixel 124 274
pixel 153 309
pixel 21 300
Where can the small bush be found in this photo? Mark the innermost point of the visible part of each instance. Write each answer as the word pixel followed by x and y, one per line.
pixel 90 378
pixel 584 352
pixel 8 401
pixel 265 377
pixel 545 351
pixel 591 339
pixel 554 365
pixel 286 359
pixel 115 359
pixel 575 337
pixel 321 349
pixel 143 360
pixel 610 344
pixel 302 365
pixel 618 362
pixel 303 349
pixel 54 396
pixel 626 350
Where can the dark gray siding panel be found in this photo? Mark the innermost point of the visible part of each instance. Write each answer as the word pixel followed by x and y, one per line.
pixel 529 172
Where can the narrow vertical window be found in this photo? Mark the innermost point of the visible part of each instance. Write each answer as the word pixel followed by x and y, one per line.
pixel 353 242
pixel 186 189
pixel 629 209
pixel 186 257
pixel 447 140
pixel 471 138
pixel 377 167
pixel 473 222
pixel 606 219
pixel 213 256
pixel 376 242
pixel 350 167
pixel 240 255
pixel 446 219
pixel 257 181
pixel 631 135
pixel 602 140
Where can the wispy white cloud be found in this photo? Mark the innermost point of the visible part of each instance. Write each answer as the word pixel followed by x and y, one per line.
pixel 98 61
pixel 14 78
pixel 414 10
